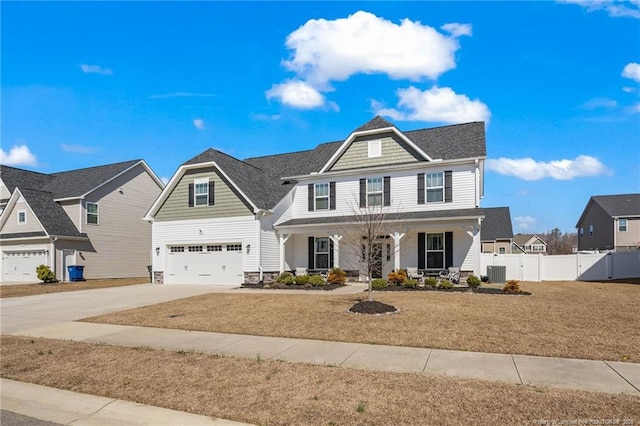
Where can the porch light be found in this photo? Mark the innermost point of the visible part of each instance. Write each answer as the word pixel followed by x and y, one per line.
pixel 248 248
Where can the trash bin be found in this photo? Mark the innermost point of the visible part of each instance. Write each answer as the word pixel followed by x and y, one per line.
pixel 76 272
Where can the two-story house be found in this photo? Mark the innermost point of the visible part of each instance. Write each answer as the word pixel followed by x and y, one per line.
pixel 610 222
pixel 221 220
pixel 90 217
pixel 496 234
pixel 529 243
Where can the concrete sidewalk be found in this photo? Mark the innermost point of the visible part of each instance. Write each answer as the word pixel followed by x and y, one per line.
pixel 73 408
pixel 599 376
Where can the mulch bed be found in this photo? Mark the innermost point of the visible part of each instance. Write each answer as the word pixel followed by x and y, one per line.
pixel 480 290
pixel 372 308
pixel 278 286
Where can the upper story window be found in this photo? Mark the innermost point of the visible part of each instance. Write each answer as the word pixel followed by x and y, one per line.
pixel 322 196
pixel 374 192
pixel 622 225
pixel 591 230
pixel 502 250
pixel 375 148
pixel 201 191
pixel 22 217
pixel 92 213
pixel 435 187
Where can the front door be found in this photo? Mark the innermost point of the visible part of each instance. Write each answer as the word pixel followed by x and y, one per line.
pixel 377 258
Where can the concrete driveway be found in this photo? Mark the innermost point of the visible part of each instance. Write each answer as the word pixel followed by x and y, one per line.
pixel 23 313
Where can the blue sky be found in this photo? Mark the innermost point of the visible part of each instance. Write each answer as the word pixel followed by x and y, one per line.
pixel 558 84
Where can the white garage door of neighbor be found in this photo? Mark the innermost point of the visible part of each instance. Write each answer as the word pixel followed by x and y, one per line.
pixel 20 265
pixel 217 264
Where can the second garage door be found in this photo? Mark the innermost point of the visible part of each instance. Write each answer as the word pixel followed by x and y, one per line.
pixel 217 264
pixel 20 266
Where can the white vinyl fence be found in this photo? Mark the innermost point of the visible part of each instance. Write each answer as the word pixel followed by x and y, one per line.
pixel 566 267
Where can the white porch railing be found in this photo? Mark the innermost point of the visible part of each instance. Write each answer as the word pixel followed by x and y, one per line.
pixel 569 267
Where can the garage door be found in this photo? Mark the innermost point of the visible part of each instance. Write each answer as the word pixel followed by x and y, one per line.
pixel 20 266
pixel 217 264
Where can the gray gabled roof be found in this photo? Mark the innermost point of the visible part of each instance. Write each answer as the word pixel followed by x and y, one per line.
pixel 20 178
pixel 496 224
pixel 260 178
pixel 619 205
pixel 51 215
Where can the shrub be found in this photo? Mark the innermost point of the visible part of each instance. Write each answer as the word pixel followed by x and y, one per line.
pixel 397 277
pixel 410 284
pixel 45 274
pixel 445 284
pixel 512 286
pixel 379 283
pixel 315 280
pixel 337 276
pixel 301 279
pixel 431 282
pixel 285 278
pixel 473 281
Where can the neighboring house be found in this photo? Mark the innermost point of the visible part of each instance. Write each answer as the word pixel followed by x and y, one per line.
pixel 90 217
pixel 496 235
pixel 528 243
pixel 610 222
pixel 221 220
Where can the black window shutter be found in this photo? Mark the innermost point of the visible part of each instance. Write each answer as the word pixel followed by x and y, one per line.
pixel 332 195
pixel 363 192
pixel 330 253
pixel 420 188
pixel 311 253
pixel 448 187
pixel 191 195
pixel 387 190
pixel 421 250
pixel 311 196
pixel 211 193
pixel 448 249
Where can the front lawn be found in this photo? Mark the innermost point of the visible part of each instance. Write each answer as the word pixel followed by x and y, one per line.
pixel 34 289
pixel 561 319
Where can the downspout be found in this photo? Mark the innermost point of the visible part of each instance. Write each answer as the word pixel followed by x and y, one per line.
pixel 53 256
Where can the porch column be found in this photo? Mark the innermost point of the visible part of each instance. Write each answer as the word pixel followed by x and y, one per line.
pixel 396 249
pixel 283 240
pixel 336 249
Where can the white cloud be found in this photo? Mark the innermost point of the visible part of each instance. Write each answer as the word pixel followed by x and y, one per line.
pixel 632 71
pixel 182 95
pixel 325 50
pixel 264 117
pixel 530 169
pixel 95 69
pixel 615 8
pixel 597 103
pixel 628 89
pixel 457 30
pixel 524 223
pixel 297 94
pixel 438 104
pixel 635 108
pixel 18 155
pixel 199 123
pixel 78 149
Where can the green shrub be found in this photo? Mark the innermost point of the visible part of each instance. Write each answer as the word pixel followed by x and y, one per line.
pixel 285 278
pixel 315 280
pixel 410 284
pixel 45 274
pixel 512 287
pixel 379 283
pixel 337 276
pixel 445 284
pixel 302 279
pixel 473 281
pixel 431 282
pixel 397 277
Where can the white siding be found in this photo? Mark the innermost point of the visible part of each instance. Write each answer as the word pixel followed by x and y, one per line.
pixel 220 230
pixel 269 240
pixel 74 210
pixel 11 225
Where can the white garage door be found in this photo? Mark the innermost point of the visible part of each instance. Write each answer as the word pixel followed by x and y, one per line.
pixel 20 265
pixel 217 264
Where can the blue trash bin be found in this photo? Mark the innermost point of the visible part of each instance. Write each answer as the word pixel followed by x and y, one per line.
pixel 76 272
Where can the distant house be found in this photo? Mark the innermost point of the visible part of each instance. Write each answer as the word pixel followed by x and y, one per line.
pixel 529 243
pixel 90 217
pixel 496 235
pixel 610 222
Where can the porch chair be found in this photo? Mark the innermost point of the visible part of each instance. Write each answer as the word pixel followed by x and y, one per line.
pixel 452 274
pixel 413 274
pixel 301 271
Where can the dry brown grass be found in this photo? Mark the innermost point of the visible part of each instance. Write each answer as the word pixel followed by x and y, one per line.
pixel 34 289
pixel 562 319
pixel 278 393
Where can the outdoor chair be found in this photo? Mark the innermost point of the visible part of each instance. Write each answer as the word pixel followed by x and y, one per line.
pixel 452 274
pixel 413 274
